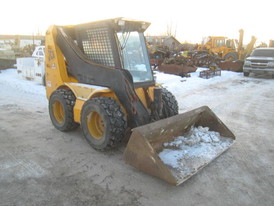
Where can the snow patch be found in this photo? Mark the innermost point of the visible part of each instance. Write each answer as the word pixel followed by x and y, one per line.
pixel 27 94
pixel 186 154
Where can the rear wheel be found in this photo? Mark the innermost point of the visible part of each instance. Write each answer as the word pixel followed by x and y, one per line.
pixel 103 122
pixel 170 104
pixel 61 105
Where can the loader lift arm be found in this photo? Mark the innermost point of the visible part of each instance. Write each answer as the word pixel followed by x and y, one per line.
pixel 120 80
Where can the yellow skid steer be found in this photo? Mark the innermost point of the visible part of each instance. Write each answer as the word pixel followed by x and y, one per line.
pixel 98 76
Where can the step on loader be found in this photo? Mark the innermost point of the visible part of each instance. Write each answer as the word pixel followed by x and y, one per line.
pixel 98 76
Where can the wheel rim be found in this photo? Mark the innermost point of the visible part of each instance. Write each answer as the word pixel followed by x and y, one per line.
pixel 58 112
pixel 95 125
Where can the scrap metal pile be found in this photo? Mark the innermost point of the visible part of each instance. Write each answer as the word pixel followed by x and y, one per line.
pixel 185 62
pixel 206 74
pixel 178 65
pixel 204 58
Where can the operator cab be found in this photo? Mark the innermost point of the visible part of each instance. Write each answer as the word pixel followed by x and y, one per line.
pixel 117 43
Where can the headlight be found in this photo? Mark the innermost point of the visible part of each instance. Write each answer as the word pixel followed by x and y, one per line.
pixel 271 64
pixel 247 63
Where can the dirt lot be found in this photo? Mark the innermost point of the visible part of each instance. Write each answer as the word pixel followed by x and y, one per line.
pixel 42 166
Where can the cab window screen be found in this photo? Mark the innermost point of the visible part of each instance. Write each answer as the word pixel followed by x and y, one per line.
pixel 97 46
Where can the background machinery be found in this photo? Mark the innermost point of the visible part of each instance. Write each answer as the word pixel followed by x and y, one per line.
pixel 228 49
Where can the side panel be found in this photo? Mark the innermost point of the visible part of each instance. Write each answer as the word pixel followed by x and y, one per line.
pixel 77 110
pixel 24 67
pixel 80 102
pixel 83 92
pixel 56 72
pixel 39 69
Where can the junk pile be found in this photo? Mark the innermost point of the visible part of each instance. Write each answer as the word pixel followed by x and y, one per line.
pixel 204 58
pixel 178 65
pixel 236 66
pixel 208 59
pixel 185 62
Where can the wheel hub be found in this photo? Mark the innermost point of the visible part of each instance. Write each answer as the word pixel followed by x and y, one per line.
pixel 58 112
pixel 95 125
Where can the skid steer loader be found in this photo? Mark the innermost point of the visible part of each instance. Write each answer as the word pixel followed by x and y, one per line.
pixel 98 76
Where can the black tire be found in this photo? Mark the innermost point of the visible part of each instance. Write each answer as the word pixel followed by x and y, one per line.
pixel 246 74
pixel 170 104
pixel 231 56
pixel 44 80
pixel 103 123
pixel 61 105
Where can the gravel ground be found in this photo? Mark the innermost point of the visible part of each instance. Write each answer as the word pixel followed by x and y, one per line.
pixel 40 165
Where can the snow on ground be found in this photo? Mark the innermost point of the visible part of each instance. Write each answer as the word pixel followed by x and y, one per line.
pixel 190 92
pixel 10 78
pixel 185 89
pixel 14 90
pixel 215 92
pixel 176 83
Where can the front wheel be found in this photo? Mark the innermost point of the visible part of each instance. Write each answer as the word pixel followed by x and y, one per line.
pixel 103 122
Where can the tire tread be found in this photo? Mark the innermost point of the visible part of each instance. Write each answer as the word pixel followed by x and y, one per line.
pixel 117 119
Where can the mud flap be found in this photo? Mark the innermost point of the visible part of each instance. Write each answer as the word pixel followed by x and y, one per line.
pixel 149 141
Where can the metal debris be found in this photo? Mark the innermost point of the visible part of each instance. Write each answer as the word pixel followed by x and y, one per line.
pixel 206 74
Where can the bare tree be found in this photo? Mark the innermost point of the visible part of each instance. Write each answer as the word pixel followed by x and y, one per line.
pixel 170 30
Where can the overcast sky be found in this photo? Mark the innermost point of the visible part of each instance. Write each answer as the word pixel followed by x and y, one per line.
pixel 190 19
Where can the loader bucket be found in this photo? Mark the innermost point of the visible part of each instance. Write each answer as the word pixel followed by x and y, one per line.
pixel 166 149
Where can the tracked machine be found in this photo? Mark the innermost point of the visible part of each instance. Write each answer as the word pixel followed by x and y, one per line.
pixel 98 76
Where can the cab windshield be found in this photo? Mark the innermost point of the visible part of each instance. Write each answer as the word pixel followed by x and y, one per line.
pixel 134 56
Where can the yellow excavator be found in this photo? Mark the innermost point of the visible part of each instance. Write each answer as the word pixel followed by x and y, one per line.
pixel 98 76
